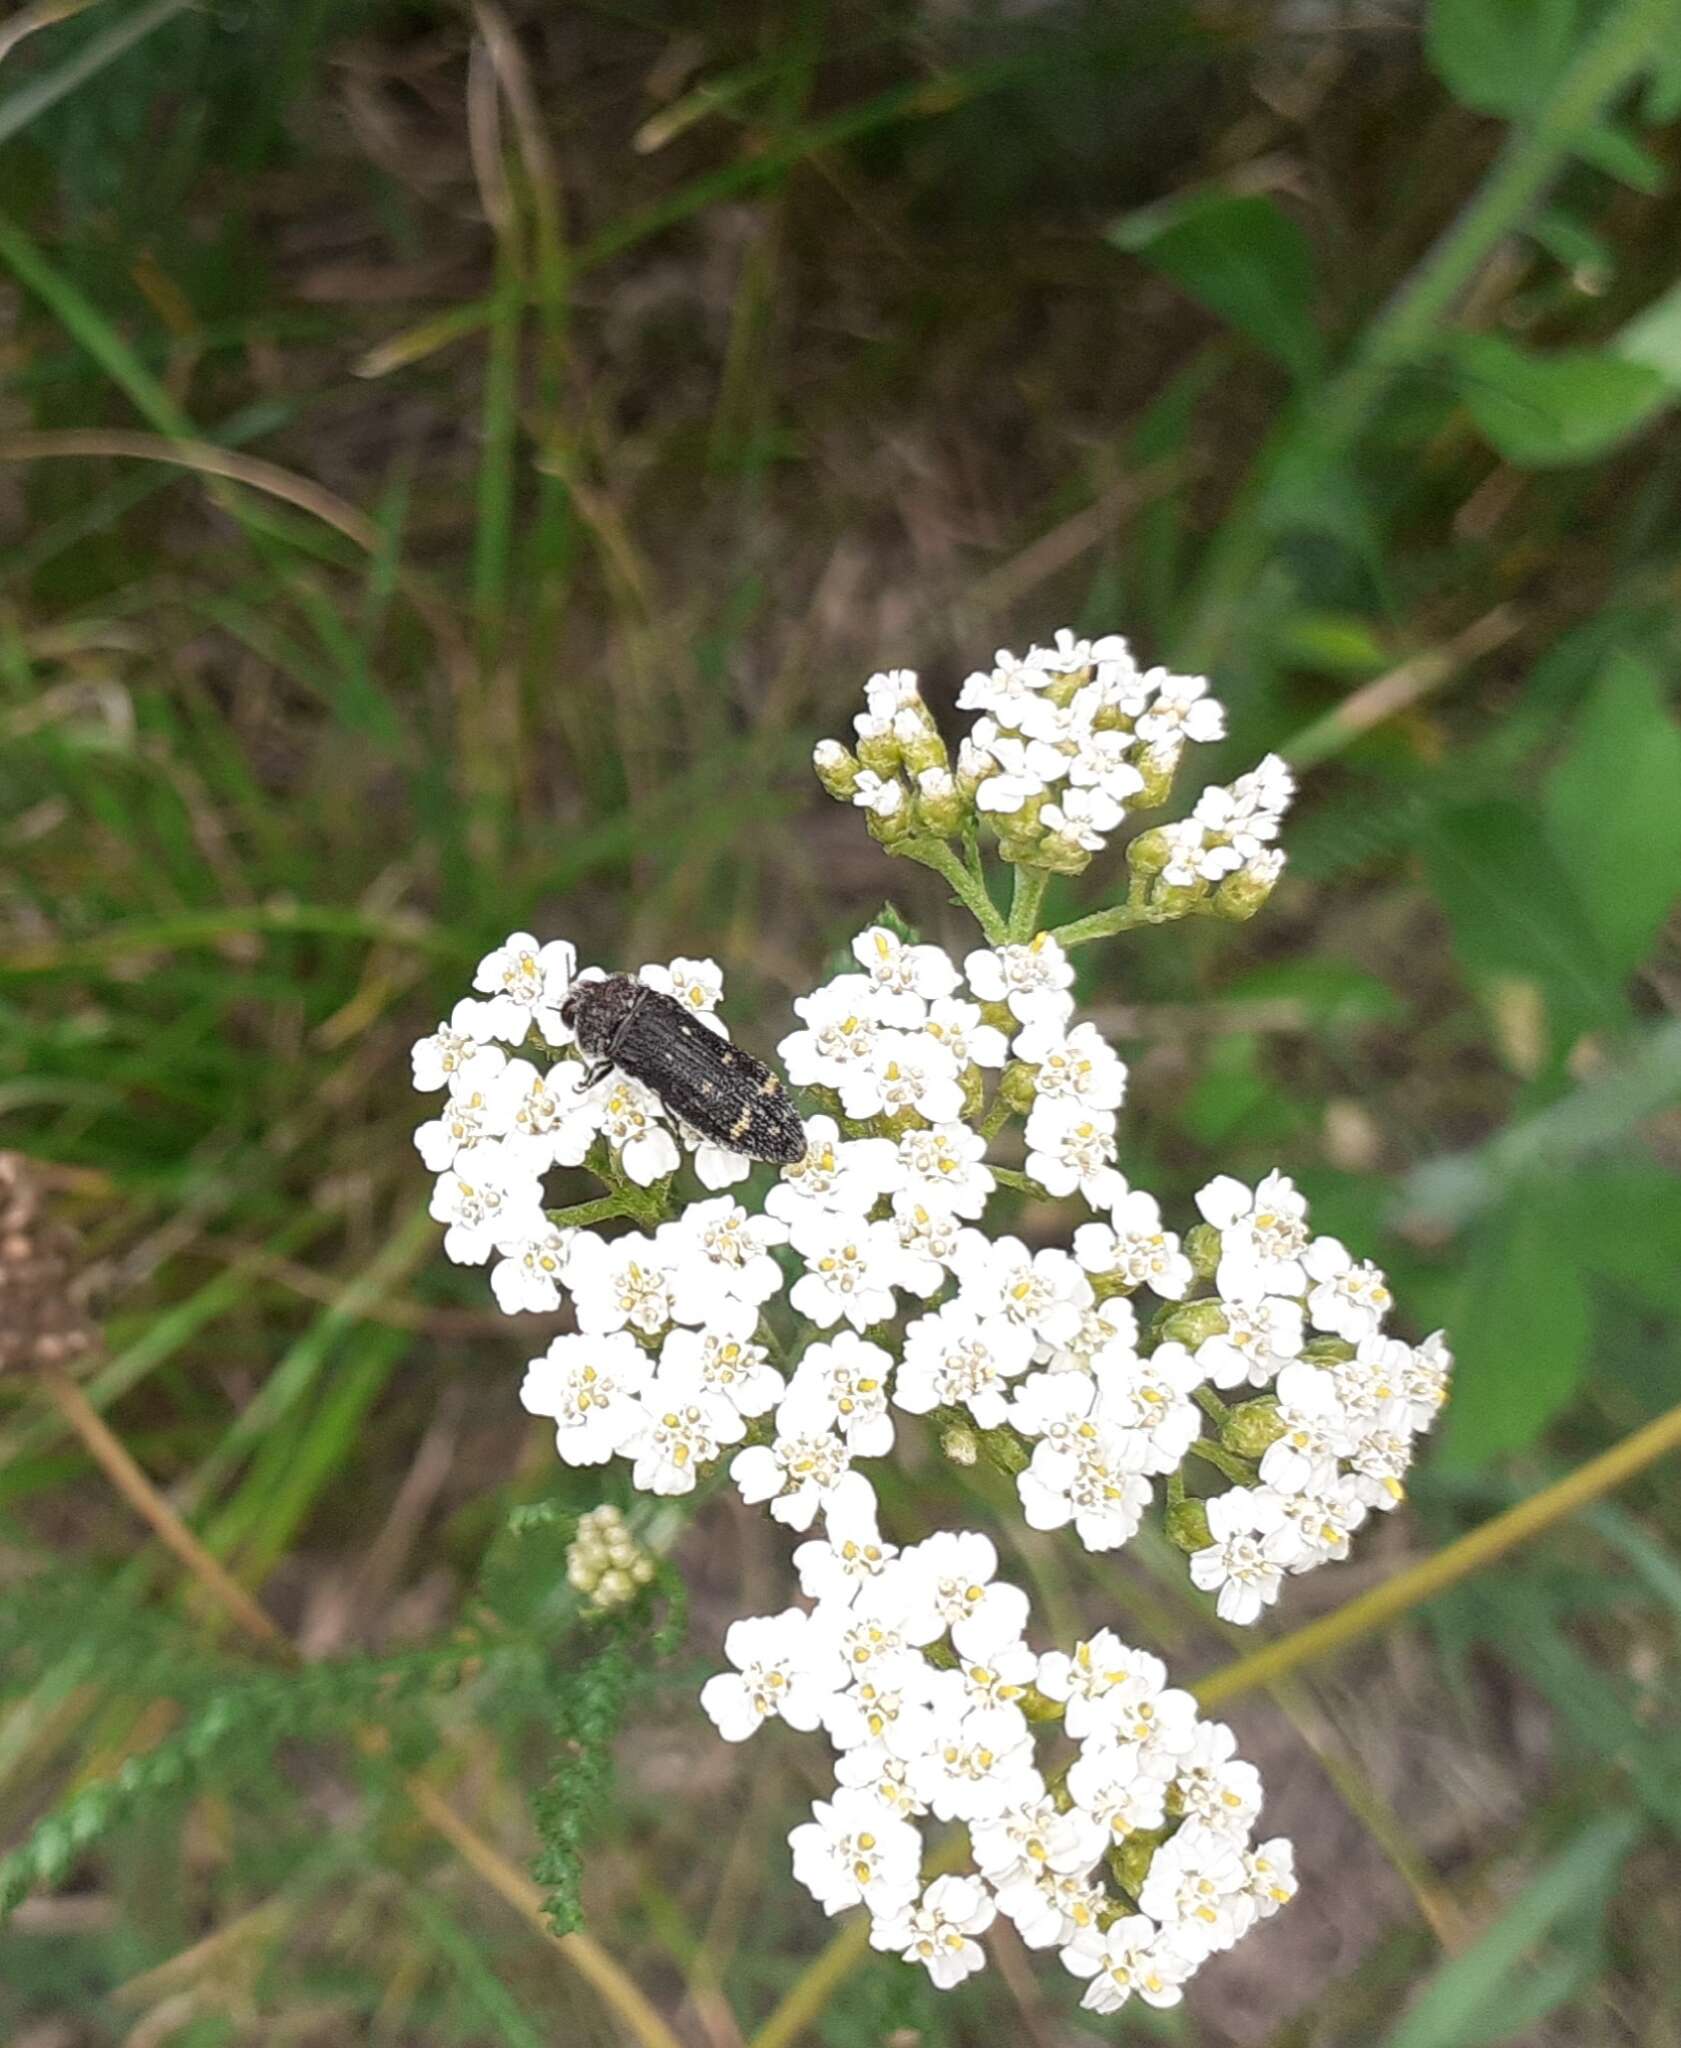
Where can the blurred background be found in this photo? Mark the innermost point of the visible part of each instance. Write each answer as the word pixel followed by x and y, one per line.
pixel 454 462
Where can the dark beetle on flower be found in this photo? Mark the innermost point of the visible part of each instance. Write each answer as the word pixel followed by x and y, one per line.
pixel 714 1087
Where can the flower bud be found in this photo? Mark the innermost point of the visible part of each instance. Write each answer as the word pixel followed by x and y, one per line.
pixel 615 1589
pixel 1038 1706
pixel 1130 1860
pixel 1186 1524
pixel 1157 765
pixel 919 741
pixel 837 769
pixel 961 1446
pixel 1149 853
pixel 1018 1086
pixel 1239 896
pixel 1193 1322
pixel 1060 856
pixel 1252 1429
pixel 1005 1449
pixel 939 808
pixel 1327 1351
pixel 878 750
pixel 888 814
pixel 1202 1248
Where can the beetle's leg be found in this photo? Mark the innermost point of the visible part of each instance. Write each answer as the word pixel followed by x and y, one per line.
pixel 598 1070
pixel 638 997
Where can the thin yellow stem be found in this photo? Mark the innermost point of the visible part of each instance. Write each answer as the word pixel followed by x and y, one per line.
pixel 615 1988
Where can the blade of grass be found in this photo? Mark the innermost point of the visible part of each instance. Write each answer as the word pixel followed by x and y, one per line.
pixel 18 109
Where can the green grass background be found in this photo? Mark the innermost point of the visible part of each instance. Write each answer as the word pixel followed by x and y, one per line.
pixel 453 464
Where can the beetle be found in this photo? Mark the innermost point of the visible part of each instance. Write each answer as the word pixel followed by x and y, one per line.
pixel 706 1082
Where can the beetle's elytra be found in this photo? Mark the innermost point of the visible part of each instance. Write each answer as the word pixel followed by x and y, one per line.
pixel 711 1085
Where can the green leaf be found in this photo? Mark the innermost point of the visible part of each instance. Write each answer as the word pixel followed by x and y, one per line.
pixel 1463 1996
pixel 1520 1336
pixel 1500 56
pixel 1544 411
pixel 1515 911
pixel 1653 337
pixel 1241 258
pixel 1623 1220
pixel 1613 808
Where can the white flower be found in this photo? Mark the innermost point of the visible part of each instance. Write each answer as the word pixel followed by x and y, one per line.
pixel 936 1931
pixel 1216 1787
pixel 845 1176
pixel 980 1766
pixel 1381 1457
pixel 1113 1785
pixel 1102 761
pixel 1261 1337
pixel 1134 1249
pixel 958 1026
pixel 943 1165
pixel 1349 1299
pixel 1082 818
pixel 946 1584
pixel 1190 858
pixel 1016 782
pixel 630 1120
pixel 1071 1147
pixel 529 1276
pixel 685 1426
pixel 1249 813
pixel 906 979
pixel 929 1237
pixel 1253 1544
pixel 1121 1693
pixel 873 1768
pixel 1424 1382
pixel 885 798
pixel 733 1368
pixel 958 1358
pixel 1033 979
pixel 1006 691
pixel 1030 1837
pixel 627 1281
pixel 1150 1398
pixel 851 1377
pixel 1082 1471
pixel 548 1113
pixel 886 1706
pixel 1199 1890
pixel 1181 709
pixel 440 1056
pixel 1323 1515
pixel 1073 1066
pixel 480 1108
pixel 1043 1292
pixel 1271 1870
pixel 719 1260
pixel 836 1567
pixel 526 984
pixel 851 1269
pixel 1132 1956
pixel 589 1385
pixel 841 1026
pixel 799 1470
pixel 1375 1374
pixel 488 1198
pixel 1000 1679
pixel 1316 1426
pixel 908 1071
pixel 697 984
pixel 786 1668
pixel 853 1851
pixel 1262 1236
pixel 716 1168
pixel 1049 1908
pixel 1108 1328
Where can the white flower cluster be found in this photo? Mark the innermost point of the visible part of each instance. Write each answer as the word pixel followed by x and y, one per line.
pixel 1244 1365
pixel 1131 1854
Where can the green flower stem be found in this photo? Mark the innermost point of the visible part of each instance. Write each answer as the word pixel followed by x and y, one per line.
pixel 970 890
pixel 1317 432
pixel 1211 1405
pixel 1007 1177
pixel 1029 893
pixel 603 1209
pixel 1119 917
pixel 997 1116
pixel 1236 1469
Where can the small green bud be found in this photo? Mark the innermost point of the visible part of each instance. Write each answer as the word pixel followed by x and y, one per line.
pixel 920 745
pixel 1193 1322
pixel 1130 1860
pixel 642 1571
pixel 1327 1350
pixel 1176 899
pixel 1149 853
pixel 961 1446
pixel 1252 1428
pixel 1186 1523
pixel 1157 765
pixel 1239 896
pixel 615 1589
pixel 974 1092
pixel 1037 1706
pixel 1019 1086
pixel 837 769
pixel 973 768
pixel 889 819
pixel 1061 856
pixel 879 752
pixel 939 808
pixel 1005 1449
pixel 1202 1248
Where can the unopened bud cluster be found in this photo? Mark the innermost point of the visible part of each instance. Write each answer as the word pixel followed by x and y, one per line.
pixel 605 1562
pixel 1068 741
